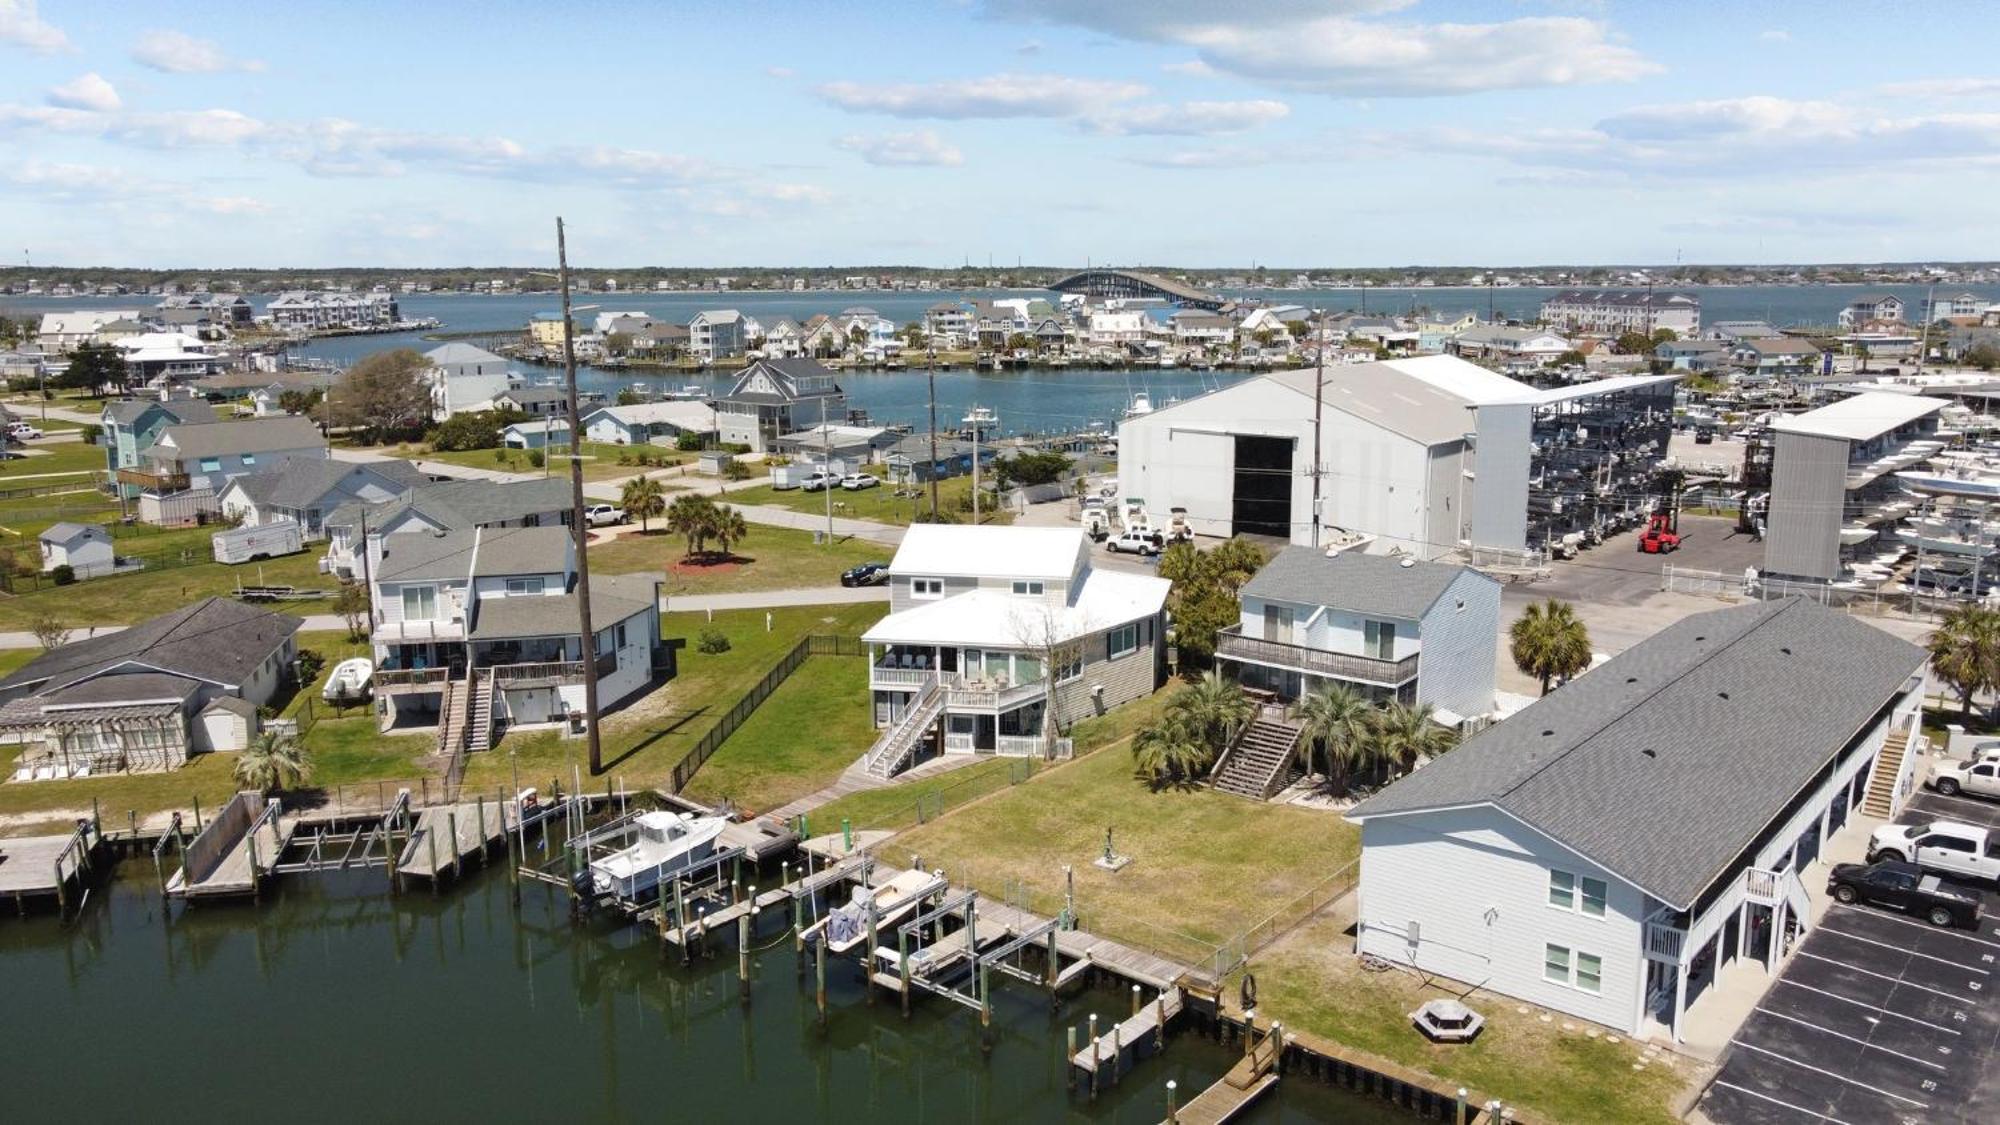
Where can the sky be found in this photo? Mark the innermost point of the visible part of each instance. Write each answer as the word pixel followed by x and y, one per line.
pixel 1055 132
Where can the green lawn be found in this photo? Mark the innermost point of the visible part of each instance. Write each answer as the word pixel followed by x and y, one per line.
pixel 41 459
pixel 42 806
pixel 896 807
pixel 646 739
pixel 812 728
pixel 125 598
pixel 773 558
pixel 880 504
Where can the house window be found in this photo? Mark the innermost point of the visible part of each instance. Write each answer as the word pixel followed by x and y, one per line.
pixel 524 585
pixel 1593 896
pixel 621 634
pixel 211 464
pixel 1555 964
pixel 1579 893
pixel 1589 972
pixel 1378 639
pixel 249 459
pixel 1562 890
pixel 927 587
pixel 419 603
pixel 1574 968
pixel 1122 641
pixel 1033 589
pixel 1069 664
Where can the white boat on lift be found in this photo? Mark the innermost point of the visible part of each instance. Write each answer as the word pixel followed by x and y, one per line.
pixel 668 844
pixel 1142 405
pixel 847 926
pixel 1966 482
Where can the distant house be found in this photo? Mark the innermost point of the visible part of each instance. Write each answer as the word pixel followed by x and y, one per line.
pixel 716 334
pixel 307 491
pixel 1197 328
pixel 1390 628
pixel 464 378
pixel 1693 355
pixel 132 701
pixel 1735 331
pixel 545 331
pixel 916 459
pixel 649 423
pixel 538 433
pixel 449 505
pixel 535 402
pixel 157 358
pixel 1872 308
pixel 63 332
pixel 662 341
pixel 841 448
pixel 949 324
pixel 300 311
pixel 130 426
pixel 1494 341
pixel 1435 328
pixel 784 339
pixel 85 548
pixel 777 396
pixel 215 310
pixel 1605 852
pixel 1956 306
pixel 188 465
pixel 1783 355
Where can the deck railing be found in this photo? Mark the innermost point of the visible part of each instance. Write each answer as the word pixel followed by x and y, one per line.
pixel 983 697
pixel 410 677
pixel 1230 643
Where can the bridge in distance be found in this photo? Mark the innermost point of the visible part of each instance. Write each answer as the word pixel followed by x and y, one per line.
pixel 1126 283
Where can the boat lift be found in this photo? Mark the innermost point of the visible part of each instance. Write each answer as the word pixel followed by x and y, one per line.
pixel 338 845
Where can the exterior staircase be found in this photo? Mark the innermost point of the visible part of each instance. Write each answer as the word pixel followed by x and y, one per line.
pixel 452 718
pixel 483 688
pixel 893 750
pixel 1881 798
pixel 1260 761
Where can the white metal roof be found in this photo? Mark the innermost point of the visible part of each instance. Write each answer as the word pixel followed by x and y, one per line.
pixel 988 552
pixel 1861 417
pixel 998 619
pixel 1469 381
pixel 1603 387
pixel 687 414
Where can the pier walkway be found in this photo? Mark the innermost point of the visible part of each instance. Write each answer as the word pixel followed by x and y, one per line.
pixel 1231 1094
pixel 446 835
pixel 35 867
pixel 235 852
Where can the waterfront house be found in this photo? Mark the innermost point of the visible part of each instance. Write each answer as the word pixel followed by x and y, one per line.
pixel 1391 628
pixel 1115 327
pixel 949 324
pixel 1434 329
pixel 1735 331
pixel 992 630
pixel 61 333
pixel 299 311
pixel 649 423
pixel 535 402
pixel 130 426
pixel 188 465
pixel 716 334
pixel 464 378
pixel 1533 346
pixel 1954 306
pixel 661 341
pixel 874 332
pixel 1606 850
pixel 204 310
pixel 1198 328
pixel 85 548
pixel 1779 355
pixel 1612 312
pixel 134 700
pixel 1871 308
pixel 447 505
pixel 545 331
pixel 476 631
pixel 778 396
pixel 1693 355
pixel 306 491
pixel 784 339
pixel 159 358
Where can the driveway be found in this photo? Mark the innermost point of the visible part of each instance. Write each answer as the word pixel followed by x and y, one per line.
pixel 1878 1017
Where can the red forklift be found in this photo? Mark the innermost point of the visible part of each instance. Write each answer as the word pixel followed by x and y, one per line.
pixel 1662 534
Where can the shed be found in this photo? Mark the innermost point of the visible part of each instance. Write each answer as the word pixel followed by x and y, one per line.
pixel 83 547
pixel 229 722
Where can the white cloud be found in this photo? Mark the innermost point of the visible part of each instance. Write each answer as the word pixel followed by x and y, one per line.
pixel 179 53
pixel 1223 156
pixel 1943 88
pixel 1336 47
pixel 998 95
pixel 1775 35
pixel 22 26
pixel 779 71
pixel 100 186
pixel 1188 119
pixel 1031 47
pixel 921 148
pixel 1727 117
pixel 88 92
pixel 1190 68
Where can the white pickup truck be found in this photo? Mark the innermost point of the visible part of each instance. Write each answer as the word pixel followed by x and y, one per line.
pixel 604 515
pixel 1944 846
pixel 1980 776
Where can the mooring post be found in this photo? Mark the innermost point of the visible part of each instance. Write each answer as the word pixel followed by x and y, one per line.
pixel 985 1006
pixel 819 977
pixel 1054 973
pixel 847 835
pixel 1135 1000
pixel 197 814
pixel 903 966
pixel 743 956
pixel 451 822
pixel 1493 1110
pixel 1069 1057
pixel 1160 1021
pixel 431 844
pixel 253 861
pixel 480 803
pixel 868 958
pixel 1117 1053
pixel 1173 1111
pixel 1277 1047
pixel 1459 1117
pixel 1096 1056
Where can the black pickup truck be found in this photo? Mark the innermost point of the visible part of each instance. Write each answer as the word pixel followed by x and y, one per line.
pixel 1905 887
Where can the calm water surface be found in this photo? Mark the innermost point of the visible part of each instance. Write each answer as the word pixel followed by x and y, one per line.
pixel 335 1001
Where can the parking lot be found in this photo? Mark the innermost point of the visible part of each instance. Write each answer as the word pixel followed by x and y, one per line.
pixel 1877 1017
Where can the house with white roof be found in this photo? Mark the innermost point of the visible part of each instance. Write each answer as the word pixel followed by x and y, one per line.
pixel 465 378
pixel 61 333
pixel 85 548
pixel 1535 346
pixel 1606 851
pixel 649 423
pixel 998 639
pixel 476 631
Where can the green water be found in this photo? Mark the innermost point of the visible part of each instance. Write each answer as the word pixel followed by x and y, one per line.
pixel 336 1001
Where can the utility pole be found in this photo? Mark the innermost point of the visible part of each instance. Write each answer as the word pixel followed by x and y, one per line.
pixel 930 374
pixel 1319 414
pixel 577 523
pixel 973 418
pixel 1923 352
pixel 826 468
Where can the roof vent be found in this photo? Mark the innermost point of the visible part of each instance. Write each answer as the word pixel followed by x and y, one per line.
pixel 1650 753
pixel 1701 638
pixel 1722 695
pixel 1786 651
pixel 1406 562
pixel 1547 733
pixel 1631 679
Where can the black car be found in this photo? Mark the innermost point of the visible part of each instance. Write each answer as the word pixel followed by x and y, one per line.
pixel 1906 887
pixel 867 574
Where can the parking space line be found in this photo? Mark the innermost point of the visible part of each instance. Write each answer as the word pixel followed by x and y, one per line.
pixel 1927 928
pixel 1911 952
pixel 1985 808
pixel 1777 1101
pixel 1829 1074
pixel 1870 1007
pixel 1939 1067
pixel 1885 976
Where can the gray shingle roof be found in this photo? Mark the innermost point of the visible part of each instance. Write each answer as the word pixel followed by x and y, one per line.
pixel 127 687
pixel 255 435
pixel 213 639
pixel 785 373
pixel 460 505
pixel 1665 764
pixel 302 484
pixel 555 615
pixel 1372 584
pixel 127 412
pixel 488 553
pixel 64 532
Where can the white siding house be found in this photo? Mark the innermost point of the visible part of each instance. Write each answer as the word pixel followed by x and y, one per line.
pixel 83 547
pixel 465 378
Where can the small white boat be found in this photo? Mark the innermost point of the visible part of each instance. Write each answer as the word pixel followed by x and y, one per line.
pixel 668 844
pixel 689 392
pixel 1943 543
pixel 350 680
pixel 1142 405
pixel 847 926
pixel 1978 486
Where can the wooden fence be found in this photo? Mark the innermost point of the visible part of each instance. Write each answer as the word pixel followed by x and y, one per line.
pixel 817 644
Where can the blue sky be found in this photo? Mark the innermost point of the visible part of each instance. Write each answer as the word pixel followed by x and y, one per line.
pixel 1283 132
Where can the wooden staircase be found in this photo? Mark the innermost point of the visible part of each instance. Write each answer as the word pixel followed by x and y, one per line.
pixel 1881 798
pixel 452 718
pixel 483 688
pixel 898 744
pixel 1261 760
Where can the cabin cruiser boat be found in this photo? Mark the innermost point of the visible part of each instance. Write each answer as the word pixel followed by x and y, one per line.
pixel 668 844
pixel 1142 405
pixel 1964 481
pixel 351 680
pixel 847 926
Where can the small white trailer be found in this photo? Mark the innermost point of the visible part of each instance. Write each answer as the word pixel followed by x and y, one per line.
pixel 262 541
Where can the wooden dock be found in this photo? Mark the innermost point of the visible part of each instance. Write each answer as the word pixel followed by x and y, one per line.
pixel 1140 1035
pixel 235 852
pixel 38 867
pixel 1231 1094
pixel 445 835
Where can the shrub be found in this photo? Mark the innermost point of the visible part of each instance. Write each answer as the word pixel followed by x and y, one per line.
pixel 504 455
pixel 688 443
pixel 736 470
pixel 537 458
pixel 624 458
pixel 64 575
pixel 309 664
pixel 91 433
pixel 712 641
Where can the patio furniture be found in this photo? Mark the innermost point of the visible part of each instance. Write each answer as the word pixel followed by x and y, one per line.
pixel 1447 1021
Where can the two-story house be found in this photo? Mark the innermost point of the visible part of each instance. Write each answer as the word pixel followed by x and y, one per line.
pixel 1872 308
pixel 773 397
pixel 130 426
pixel 1391 627
pixel 307 491
pixel 464 378
pixel 187 466
pixel 1606 850
pixel 999 638
pixel 716 334
pixel 438 506
pixel 476 631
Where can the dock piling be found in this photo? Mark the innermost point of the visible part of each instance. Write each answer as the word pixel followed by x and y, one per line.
pixel 819 978
pixel 1069 1052
pixel 1459 1117
pixel 1096 1056
pixel 1173 1111
pixel 1135 999
pixel 743 956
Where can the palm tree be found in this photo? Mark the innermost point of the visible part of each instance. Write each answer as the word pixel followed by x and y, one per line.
pixel 265 764
pixel 1405 732
pixel 1215 708
pixel 643 497
pixel 728 528
pixel 1549 641
pixel 1169 749
pixel 1965 652
pixel 692 515
pixel 1335 719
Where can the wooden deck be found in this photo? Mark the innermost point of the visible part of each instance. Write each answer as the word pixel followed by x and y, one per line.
pixel 1139 1035
pixel 251 857
pixel 1224 1100
pixel 28 864
pixel 446 834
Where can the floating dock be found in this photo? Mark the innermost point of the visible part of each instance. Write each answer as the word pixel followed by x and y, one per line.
pixel 1247 1081
pixel 446 835
pixel 236 851
pixel 33 868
